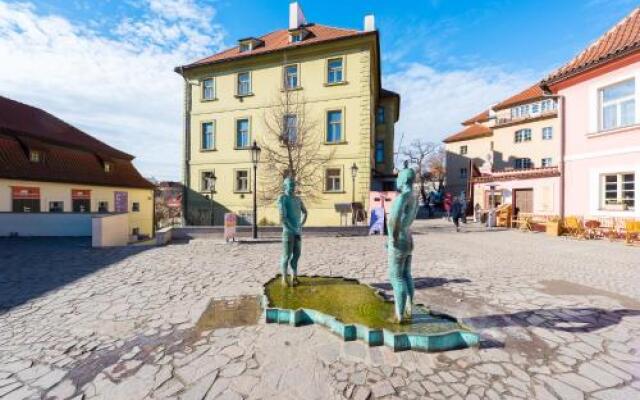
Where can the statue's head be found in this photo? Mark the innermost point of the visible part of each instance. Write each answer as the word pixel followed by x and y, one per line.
pixel 289 185
pixel 406 178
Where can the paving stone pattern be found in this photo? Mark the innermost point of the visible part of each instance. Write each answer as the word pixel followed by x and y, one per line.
pixel 559 319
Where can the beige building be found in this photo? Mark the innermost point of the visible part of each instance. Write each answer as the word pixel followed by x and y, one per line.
pixel 49 167
pixel 509 153
pixel 334 72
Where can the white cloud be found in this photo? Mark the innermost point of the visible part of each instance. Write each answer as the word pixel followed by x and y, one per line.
pixel 118 86
pixel 434 103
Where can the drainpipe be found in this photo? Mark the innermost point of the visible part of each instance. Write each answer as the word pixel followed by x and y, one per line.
pixel 562 101
pixel 186 176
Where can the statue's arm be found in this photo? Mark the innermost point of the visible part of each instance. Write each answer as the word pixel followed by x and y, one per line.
pixel 304 213
pixel 284 215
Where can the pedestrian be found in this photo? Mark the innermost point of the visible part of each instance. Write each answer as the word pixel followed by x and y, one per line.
pixel 447 207
pixel 463 205
pixel 456 212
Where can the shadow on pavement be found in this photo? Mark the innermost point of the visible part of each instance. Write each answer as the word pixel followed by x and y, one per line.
pixel 31 267
pixel 573 320
pixel 423 283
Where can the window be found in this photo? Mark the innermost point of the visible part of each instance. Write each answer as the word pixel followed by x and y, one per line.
pixel 135 231
pixel 291 77
pixel 208 89
pixel 208 136
pixel 245 47
pixel 547 133
pixel 242 180
pixel 617 105
pixel 618 191
pixel 135 207
pixel 546 162
pixel 206 181
pixel 35 156
pixel 56 206
pixel 290 128
pixel 334 126
pixel 535 108
pixel 547 105
pixel 81 205
pixel 379 151
pixel 523 135
pixel 333 180
pixel 103 206
pixel 464 150
pixel 380 115
pixel 522 163
pixel 244 84
pixel 296 37
pixel 108 167
pixel 334 70
pixel 242 133
pixel 463 173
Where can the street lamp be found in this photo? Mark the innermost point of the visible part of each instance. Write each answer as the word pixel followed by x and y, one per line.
pixel 255 159
pixel 354 173
pixel 211 183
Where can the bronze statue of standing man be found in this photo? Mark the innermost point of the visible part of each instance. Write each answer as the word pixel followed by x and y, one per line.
pixel 400 244
pixel 293 215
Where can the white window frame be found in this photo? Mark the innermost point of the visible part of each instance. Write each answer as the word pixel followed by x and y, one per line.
pixel 204 89
pixel 335 178
pixel 520 137
pixel 522 161
pixel 548 129
pixel 342 71
pixel 235 133
pixel 286 127
pixel 617 102
pixel 285 74
pixel 546 162
pixel 342 138
pixel 619 190
pixel 213 135
pixel 249 84
pixel 247 180
pixel 203 182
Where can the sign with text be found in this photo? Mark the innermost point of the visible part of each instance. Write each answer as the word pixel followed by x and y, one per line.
pixel 25 193
pixel 121 201
pixel 80 194
pixel 230 223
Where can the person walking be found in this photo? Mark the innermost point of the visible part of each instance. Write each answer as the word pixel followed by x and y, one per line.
pixel 456 212
pixel 463 205
pixel 447 207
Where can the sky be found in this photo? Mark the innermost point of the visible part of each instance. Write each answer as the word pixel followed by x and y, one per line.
pixel 106 66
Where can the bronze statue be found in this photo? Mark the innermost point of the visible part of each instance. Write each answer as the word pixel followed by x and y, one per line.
pixel 293 215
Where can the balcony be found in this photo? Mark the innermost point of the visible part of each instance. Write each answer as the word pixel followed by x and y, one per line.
pixel 503 122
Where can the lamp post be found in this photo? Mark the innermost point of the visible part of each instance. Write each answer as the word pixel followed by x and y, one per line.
pixel 354 173
pixel 255 159
pixel 211 182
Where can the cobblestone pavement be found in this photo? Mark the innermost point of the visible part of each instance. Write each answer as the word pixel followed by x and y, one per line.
pixel 559 319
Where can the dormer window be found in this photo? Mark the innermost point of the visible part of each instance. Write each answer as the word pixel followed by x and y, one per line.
pixel 108 167
pixel 297 35
pixel 35 156
pixel 249 44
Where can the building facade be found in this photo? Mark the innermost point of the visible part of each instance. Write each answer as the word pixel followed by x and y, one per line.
pixel 600 89
pixel 48 166
pixel 333 72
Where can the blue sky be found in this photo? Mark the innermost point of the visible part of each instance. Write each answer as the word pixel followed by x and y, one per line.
pixel 448 59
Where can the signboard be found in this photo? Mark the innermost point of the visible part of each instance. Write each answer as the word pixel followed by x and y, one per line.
pixel 121 201
pixel 230 223
pixel 80 194
pixel 376 225
pixel 25 193
pixel 174 202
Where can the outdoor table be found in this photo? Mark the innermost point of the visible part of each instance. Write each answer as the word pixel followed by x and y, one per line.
pixel 592 227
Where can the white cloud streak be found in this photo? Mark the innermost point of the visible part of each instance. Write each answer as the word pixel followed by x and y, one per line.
pixel 118 86
pixel 434 103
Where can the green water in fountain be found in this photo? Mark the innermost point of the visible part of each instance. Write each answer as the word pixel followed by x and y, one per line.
pixel 352 302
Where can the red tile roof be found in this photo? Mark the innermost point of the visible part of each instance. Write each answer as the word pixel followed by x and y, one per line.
pixel 70 155
pixel 619 41
pixel 531 93
pixel 474 131
pixel 279 40
pixel 482 117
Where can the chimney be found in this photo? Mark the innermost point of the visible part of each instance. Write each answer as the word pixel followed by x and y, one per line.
pixel 369 23
pixel 296 16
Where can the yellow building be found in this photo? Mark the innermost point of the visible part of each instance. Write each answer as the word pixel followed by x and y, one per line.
pixel 49 167
pixel 228 97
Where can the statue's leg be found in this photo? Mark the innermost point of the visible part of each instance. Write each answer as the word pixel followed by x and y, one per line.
pixel 396 267
pixel 295 256
pixel 286 256
pixel 408 279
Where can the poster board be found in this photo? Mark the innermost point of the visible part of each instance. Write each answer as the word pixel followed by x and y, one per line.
pixel 230 223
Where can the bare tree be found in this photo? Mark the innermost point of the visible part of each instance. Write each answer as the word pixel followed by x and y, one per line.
pixel 292 146
pixel 428 160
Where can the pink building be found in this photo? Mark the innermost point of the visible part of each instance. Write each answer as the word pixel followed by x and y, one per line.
pixel 599 94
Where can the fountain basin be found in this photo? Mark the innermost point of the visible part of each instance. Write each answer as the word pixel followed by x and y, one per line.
pixel 353 310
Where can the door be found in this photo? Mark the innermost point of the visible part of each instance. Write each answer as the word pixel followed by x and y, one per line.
pixel 523 200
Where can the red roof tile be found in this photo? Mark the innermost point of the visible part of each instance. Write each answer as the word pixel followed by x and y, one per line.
pixel 621 40
pixel 482 117
pixel 474 131
pixel 531 93
pixel 279 40
pixel 69 155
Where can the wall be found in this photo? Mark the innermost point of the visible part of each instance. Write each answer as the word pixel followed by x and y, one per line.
pixel 45 224
pixel 354 98
pixel 546 193
pixel 109 230
pixel 50 191
pixel 477 150
pixel 590 153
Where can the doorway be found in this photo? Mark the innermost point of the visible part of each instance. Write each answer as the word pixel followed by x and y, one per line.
pixel 523 201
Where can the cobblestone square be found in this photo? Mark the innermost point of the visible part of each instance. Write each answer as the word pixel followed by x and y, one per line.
pixel 559 319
